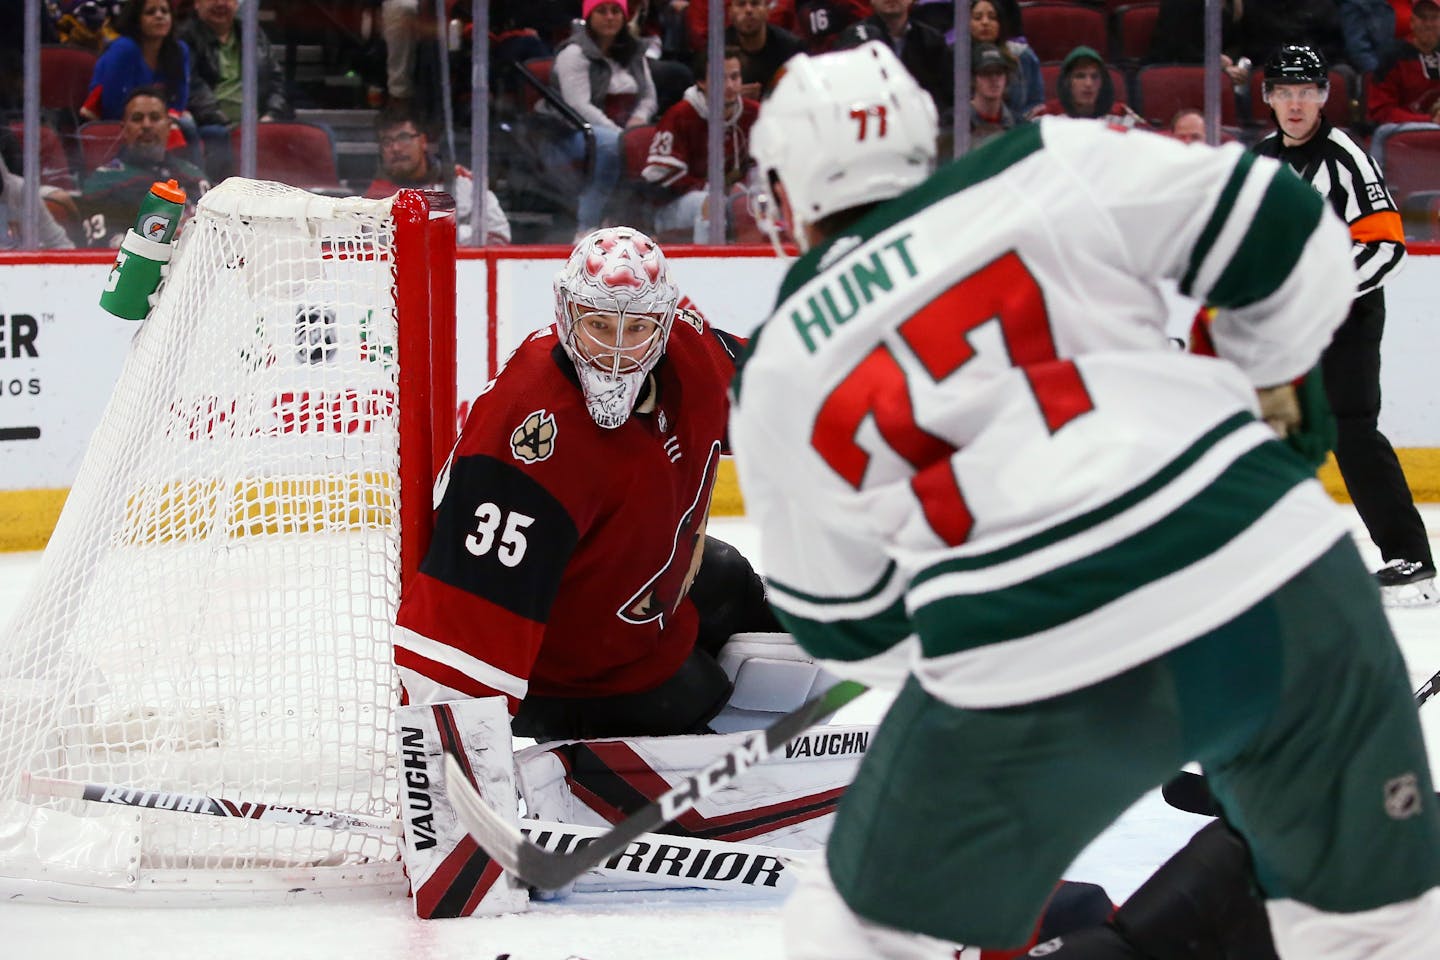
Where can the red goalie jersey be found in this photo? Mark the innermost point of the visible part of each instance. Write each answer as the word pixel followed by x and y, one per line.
pixel 562 550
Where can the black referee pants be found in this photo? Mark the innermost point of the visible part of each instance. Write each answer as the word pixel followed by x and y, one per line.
pixel 1372 474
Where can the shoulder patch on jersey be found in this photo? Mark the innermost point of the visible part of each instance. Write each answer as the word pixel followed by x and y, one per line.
pixel 534 440
pixel 692 318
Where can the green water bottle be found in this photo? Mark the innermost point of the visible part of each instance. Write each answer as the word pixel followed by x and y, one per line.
pixel 144 253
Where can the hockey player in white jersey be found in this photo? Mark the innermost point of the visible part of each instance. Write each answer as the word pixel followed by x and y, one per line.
pixel 980 472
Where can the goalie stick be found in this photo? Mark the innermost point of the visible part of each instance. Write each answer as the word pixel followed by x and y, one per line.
pixel 202 804
pixel 763 864
pixel 549 870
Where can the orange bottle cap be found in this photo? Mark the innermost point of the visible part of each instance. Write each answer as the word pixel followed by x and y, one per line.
pixel 169 190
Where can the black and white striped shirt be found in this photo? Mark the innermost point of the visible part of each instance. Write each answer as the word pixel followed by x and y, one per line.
pixel 1345 174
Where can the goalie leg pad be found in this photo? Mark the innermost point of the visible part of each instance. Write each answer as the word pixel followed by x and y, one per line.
pixel 787 800
pixel 449 874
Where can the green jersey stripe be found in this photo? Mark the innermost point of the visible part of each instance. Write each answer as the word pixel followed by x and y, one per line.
pixel 1288 214
pixel 1101 514
pixel 869 593
pixel 849 639
pixel 993 158
pixel 1218 216
pixel 1248 488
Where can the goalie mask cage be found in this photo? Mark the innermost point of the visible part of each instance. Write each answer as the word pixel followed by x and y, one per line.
pixel 213 613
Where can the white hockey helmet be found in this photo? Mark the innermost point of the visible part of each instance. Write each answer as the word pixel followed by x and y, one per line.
pixel 614 305
pixel 842 129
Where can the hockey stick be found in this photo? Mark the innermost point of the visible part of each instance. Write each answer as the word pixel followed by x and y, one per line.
pixel 550 870
pixel 212 806
pixel 1427 690
pixel 763 865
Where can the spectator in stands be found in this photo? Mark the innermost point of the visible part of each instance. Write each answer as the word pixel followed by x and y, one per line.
pixel 213 36
pixel 12 59
pixel 662 22
pixel 1179 35
pixel 778 13
pixel 939 14
pixel 763 47
pixel 406 161
pixel 513 39
pixel 83 23
pixel 1261 27
pixel 1025 92
pixel 679 159
pixel 922 49
pixel 602 74
pixel 1187 126
pixel 671 77
pixel 400 26
pixel 1086 90
pixel 1369 30
pixel 110 197
pixel 990 116
pixel 819 23
pixel 1406 88
pixel 12 202
pixel 550 19
pixel 147 53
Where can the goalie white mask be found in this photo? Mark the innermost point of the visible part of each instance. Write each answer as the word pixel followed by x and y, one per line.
pixel 843 129
pixel 614 305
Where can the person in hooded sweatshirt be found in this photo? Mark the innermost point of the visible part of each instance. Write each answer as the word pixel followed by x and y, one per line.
pixel 678 164
pixel 1086 90
pixel 600 71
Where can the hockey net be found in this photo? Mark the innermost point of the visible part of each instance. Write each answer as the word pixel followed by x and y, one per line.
pixel 213 613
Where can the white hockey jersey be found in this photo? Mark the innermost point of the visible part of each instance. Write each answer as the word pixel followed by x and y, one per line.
pixel 969 448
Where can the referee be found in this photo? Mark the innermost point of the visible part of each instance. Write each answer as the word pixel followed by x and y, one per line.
pixel 1296 87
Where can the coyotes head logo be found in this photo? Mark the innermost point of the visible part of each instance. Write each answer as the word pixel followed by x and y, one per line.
pixel 534 440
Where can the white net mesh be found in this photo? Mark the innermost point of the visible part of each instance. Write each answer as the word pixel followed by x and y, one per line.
pixel 213 612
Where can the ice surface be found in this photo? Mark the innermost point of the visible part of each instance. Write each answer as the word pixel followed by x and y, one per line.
pixel 681 926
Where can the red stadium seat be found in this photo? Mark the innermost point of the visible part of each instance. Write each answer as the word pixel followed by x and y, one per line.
pixel 1418 211
pixel 1162 89
pixel 634 148
pixel 1412 163
pixel 65 74
pixel 1134 24
pixel 54 165
pixel 540 67
pixel 1054 29
pixel 1050 74
pixel 300 154
pixel 99 142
